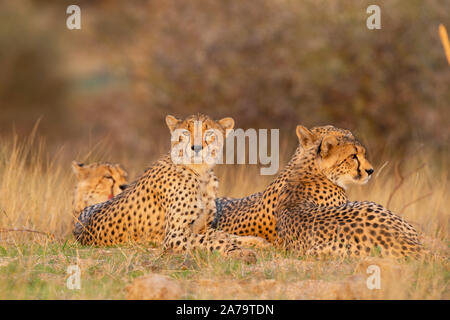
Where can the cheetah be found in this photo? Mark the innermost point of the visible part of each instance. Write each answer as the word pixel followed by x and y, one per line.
pixel 96 182
pixel 254 215
pixel 314 216
pixel 173 202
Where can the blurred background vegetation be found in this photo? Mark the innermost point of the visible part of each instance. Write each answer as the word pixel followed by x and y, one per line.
pixel 267 63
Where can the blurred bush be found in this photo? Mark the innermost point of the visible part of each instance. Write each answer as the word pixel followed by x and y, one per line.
pixel 268 63
pixel 31 82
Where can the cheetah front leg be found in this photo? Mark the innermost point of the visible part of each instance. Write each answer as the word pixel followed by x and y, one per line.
pixel 179 235
pixel 210 240
pixel 206 199
pixel 224 243
pixel 207 203
pixel 251 242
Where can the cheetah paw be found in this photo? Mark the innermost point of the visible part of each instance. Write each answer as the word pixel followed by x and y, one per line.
pixel 256 242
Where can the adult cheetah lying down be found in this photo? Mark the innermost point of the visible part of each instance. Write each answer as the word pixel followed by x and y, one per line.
pixel 171 203
pixel 255 215
pixel 314 216
pixel 306 207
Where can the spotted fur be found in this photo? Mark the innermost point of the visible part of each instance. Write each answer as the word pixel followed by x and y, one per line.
pixel 255 215
pixel 96 182
pixel 171 203
pixel 314 216
pixel 284 213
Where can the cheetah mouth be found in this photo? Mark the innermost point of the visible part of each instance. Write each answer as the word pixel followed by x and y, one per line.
pixel 361 180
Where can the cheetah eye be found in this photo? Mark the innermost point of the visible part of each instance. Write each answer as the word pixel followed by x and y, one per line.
pixel 186 133
pixel 354 156
pixel 108 177
pixel 209 133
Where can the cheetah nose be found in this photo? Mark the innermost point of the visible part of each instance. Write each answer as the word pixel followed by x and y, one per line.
pixel 369 171
pixel 123 186
pixel 197 148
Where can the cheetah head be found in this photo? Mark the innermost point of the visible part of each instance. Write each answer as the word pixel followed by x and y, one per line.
pixel 198 140
pixel 97 182
pixel 337 153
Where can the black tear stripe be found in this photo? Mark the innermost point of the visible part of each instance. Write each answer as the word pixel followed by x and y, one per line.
pixel 359 170
pixel 114 181
pixel 359 164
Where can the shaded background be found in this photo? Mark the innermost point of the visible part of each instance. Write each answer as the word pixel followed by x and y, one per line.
pixel 267 63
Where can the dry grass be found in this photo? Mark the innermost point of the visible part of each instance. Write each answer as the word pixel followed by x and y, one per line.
pixel 36 245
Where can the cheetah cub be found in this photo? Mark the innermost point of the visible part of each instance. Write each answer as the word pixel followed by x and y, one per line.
pixel 173 202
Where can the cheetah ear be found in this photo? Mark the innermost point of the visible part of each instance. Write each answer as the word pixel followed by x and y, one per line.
pixel 305 136
pixel 77 168
pixel 327 144
pixel 171 122
pixel 227 123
